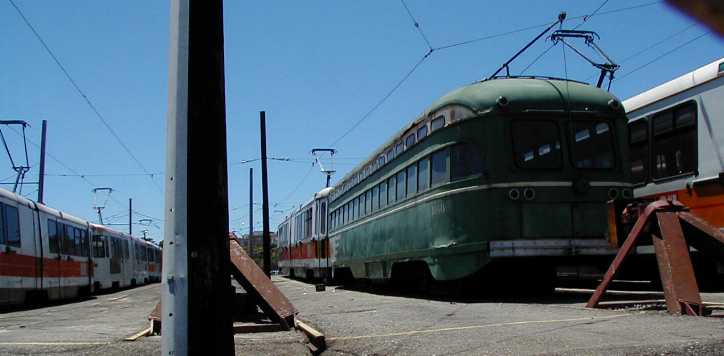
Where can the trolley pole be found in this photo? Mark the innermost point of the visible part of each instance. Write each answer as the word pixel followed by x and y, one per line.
pixel 41 173
pixel 195 290
pixel 251 211
pixel 265 197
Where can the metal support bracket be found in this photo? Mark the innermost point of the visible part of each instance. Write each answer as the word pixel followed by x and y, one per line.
pixel 662 221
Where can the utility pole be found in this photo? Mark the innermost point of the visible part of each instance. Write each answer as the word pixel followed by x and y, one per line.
pixel 196 283
pixel 265 197
pixel 130 216
pixel 251 210
pixel 41 173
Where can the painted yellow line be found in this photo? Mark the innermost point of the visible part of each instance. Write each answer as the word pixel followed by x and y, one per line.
pixel 70 343
pixel 469 327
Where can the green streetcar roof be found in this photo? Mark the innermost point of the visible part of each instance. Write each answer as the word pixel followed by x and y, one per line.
pixel 527 93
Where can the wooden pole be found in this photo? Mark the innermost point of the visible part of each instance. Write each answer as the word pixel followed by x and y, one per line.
pixel 265 197
pixel 196 302
pixel 41 174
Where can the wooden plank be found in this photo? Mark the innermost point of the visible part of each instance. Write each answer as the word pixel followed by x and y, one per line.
pixel 271 300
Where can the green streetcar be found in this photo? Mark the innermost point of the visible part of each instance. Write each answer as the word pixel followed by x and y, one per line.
pixel 502 176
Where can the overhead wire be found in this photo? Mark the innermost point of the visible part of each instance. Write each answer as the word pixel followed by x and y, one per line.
pixel 663 55
pixel 417 25
pixel 432 49
pixel 83 95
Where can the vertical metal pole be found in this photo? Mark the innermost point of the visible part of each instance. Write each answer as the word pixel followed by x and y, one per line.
pixel 41 173
pixel 251 210
pixel 265 197
pixel 196 284
pixel 130 216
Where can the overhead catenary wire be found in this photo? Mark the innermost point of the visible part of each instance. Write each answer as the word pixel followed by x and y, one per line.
pixel 83 95
pixel 417 25
pixel 76 173
pixel 432 50
pixel 663 55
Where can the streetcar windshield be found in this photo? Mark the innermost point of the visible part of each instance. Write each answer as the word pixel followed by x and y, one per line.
pixel 536 144
pixel 592 145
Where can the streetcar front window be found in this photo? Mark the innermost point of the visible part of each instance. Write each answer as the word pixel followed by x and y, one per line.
pixel 592 146
pixel 536 144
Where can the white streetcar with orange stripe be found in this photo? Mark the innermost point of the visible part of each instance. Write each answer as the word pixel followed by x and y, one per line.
pixel 48 254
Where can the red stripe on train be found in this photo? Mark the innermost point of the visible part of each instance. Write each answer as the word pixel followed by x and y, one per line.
pixel 17 265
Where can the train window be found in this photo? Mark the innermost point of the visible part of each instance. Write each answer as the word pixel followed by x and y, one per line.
pixel 410 140
pixel 536 144
pixel 66 239
pixel 639 150
pixel 383 194
pixel 85 244
pixel 674 143
pixel 308 223
pixel 323 220
pixel 358 206
pixel 466 161
pixel 391 190
pixel 423 174
pixel 375 198
pixel 390 155
pixel 422 132
pixel 401 184
pixel 362 205
pixel 11 226
pixel 126 249
pixel 592 146
pixel 440 167
pixel 437 123
pixel 411 180
pixel 53 242
pixel 368 202
pixel 398 149
pixel 381 161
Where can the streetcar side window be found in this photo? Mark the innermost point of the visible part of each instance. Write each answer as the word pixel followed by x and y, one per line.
pixel 410 140
pixel 383 195
pixel 466 161
pixel 11 225
pixel 323 219
pixel 639 149
pixel 423 174
pixel 68 244
pixel 440 167
pixel 674 144
pixel 411 180
pixel 401 184
pixel 375 198
pixel 369 202
pixel 536 144
pixel 53 242
pixel 422 132
pixel 437 123
pixel 398 149
pixel 390 155
pixel 392 190
pixel 362 205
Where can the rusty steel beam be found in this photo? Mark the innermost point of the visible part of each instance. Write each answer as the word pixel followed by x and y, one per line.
pixel 624 251
pixel 271 300
pixel 675 268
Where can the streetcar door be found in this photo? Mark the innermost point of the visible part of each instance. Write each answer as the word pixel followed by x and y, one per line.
pixel 116 261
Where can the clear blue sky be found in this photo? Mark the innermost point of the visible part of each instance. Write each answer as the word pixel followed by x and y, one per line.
pixel 315 67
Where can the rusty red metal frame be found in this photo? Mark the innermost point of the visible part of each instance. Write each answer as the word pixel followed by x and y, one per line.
pixel 661 220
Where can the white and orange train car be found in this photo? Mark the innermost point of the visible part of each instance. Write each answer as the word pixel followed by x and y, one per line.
pixel 304 242
pixel 46 254
pixel 676 137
